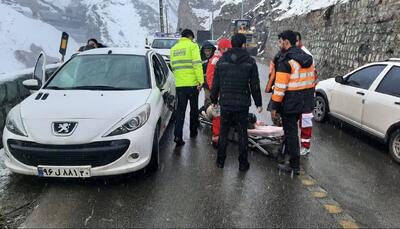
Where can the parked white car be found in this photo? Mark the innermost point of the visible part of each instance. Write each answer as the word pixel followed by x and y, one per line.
pixel 367 98
pixel 163 46
pixel 101 113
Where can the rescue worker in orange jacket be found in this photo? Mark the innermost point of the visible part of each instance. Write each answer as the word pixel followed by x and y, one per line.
pixel 293 94
pixel 270 85
pixel 305 121
pixel 272 73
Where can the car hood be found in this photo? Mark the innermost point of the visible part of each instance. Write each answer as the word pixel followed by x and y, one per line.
pixel 326 84
pixel 163 52
pixel 95 112
pixel 80 104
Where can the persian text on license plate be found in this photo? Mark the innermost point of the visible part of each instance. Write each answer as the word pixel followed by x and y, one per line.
pixel 65 171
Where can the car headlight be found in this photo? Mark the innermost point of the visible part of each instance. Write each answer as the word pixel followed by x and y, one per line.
pixel 134 121
pixel 14 122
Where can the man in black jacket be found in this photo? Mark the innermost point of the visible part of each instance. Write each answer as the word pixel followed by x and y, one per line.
pixel 235 81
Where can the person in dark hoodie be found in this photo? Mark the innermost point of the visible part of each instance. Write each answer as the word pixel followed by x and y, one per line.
pixel 235 81
pixel 293 94
pixel 207 52
pixel 91 44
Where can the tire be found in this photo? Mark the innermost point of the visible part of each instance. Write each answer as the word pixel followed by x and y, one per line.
pixel 155 153
pixel 320 109
pixel 394 145
pixel 173 115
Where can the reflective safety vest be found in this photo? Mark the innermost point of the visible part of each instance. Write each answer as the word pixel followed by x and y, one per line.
pixel 271 79
pixel 186 63
pixel 299 79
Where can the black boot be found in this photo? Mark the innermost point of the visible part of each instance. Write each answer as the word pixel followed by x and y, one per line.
pixel 193 134
pixel 288 169
pixel 179 142
pixel 244 166
pixel 220 163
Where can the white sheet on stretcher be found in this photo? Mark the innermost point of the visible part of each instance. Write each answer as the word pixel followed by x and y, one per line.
pixel 266 131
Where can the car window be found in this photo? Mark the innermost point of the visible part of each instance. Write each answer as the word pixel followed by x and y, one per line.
pixel 364 77
pixel 164 65
pixel 121 72
pixel 158 72
pixel 164 43
pixel 390 85
pixel 38 72
pixel 50 72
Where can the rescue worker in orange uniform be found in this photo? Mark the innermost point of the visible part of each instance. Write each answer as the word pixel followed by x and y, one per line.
pixel 223 46
pixel 305 121
pixel 293 94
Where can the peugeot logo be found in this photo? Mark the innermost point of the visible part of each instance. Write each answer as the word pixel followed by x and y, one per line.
pixel 64 128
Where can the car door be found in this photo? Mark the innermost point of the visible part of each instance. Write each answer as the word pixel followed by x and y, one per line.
pixel 382 105
pixel 161 80
pixel 170 81
pixel 39 73
pixel 348 97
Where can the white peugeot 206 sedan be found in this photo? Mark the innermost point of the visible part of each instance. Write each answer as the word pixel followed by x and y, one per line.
pixel 101 113
pixel 368 98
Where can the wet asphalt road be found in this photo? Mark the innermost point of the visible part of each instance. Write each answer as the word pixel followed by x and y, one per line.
pixel 189 191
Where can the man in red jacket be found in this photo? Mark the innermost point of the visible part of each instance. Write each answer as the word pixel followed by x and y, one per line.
pixel 223 46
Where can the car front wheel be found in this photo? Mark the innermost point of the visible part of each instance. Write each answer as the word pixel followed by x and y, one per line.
pixel 155 154
pixel 320 109
pixel 394 145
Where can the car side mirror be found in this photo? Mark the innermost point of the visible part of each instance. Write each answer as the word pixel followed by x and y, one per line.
pixel 339 79
pixel 31 84
pixel 147 47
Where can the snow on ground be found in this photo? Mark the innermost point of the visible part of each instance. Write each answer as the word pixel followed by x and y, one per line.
pixel 118 20
pixel 62 4
pixel 15 74
pixel 205 15
pixel 260 4
pixel 290 8
pixel 18 32
pixel 121 23
pixel 171 6
pixel 226 2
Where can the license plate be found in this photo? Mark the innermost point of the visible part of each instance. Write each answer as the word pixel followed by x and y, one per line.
pixel 65 171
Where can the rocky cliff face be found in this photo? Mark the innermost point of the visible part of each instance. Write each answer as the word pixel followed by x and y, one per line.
pixel 342 36
pixel 197 14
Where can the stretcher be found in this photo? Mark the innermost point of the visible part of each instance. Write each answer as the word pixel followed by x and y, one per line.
pixel 261 137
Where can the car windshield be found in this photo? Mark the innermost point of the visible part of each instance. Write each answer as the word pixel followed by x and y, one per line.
pixel 164 43
pixel 102 72
pixel 213 42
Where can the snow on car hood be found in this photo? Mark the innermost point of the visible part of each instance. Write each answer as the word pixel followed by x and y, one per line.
pixel 80 104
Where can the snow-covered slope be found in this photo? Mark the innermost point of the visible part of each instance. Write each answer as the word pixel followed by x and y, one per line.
pixel 203 9
pixel 21 36
pixel 289 8
pixel 123 23
pixel 127 23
